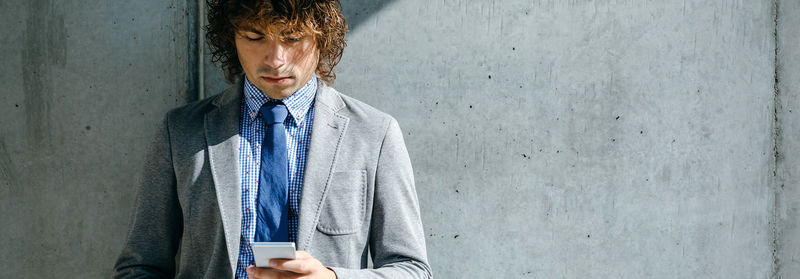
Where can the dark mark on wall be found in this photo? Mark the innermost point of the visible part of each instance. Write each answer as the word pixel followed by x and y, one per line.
pixel 88 127
pixel 456 236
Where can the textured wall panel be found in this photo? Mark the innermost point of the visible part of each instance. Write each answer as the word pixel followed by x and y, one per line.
pixel 581 139
pixel 84 83
pixel 788 163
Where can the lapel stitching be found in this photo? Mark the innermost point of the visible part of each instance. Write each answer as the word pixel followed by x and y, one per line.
pixel 221 126
pixel 329 127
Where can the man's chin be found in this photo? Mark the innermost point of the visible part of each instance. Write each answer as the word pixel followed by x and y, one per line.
pixel 278 92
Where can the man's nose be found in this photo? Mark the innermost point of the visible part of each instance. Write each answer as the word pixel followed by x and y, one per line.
pixel 275 55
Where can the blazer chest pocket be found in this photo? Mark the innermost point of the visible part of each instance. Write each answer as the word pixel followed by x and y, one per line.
pixel 345 203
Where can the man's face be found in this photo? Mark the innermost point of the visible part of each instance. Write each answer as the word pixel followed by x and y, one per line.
pixel 277 64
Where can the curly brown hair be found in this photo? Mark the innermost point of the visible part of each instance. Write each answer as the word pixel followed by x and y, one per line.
pixel 321 18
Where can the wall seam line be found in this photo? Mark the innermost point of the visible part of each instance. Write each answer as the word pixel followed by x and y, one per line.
pixel 776 138
pixel 201 92
pixel 190 15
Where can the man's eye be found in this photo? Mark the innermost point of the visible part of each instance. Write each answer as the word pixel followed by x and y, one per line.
pixel 253 39
pixel 292 39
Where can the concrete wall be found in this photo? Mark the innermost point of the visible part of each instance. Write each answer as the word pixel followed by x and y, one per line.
pixel 550 139
pixel 84 83
pixel 581 139
pixel 788 141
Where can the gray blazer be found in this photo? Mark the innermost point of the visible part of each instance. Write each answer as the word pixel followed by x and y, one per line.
pixel 358 198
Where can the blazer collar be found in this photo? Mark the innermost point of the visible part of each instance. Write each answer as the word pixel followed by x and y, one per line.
pixel 327 132
pixel 328 97
pixel 222 138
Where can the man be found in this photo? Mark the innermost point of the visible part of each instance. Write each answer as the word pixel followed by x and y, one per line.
pixel 334 175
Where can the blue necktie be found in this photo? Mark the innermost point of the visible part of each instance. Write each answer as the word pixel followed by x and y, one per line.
pixel 272 223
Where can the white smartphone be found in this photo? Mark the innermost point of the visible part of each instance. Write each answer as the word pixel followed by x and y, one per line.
pixel 264 251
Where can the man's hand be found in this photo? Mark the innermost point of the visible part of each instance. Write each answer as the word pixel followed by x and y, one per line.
pixel 303 266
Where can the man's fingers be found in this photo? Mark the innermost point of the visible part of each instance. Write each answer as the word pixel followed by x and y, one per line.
pixel 304 263
pixel 255 273
pixel 304 266
pixel 266 273
pixel 301 255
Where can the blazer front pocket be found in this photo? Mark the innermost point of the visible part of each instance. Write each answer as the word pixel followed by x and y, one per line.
pixel 345 203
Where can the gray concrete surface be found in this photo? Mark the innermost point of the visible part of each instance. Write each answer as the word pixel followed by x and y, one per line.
pixel 84 83
pixel 581 139
pixel 550 139
pixel 788 141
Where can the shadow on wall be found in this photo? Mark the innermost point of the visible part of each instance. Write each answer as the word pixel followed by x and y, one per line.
pixel 358 11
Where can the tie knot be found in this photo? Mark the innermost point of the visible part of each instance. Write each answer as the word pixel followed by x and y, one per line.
pixel 274 112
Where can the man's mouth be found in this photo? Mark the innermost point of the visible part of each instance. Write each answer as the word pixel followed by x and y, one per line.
pixel 276 79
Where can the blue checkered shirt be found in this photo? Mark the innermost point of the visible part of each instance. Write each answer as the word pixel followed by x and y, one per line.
pixel 251 129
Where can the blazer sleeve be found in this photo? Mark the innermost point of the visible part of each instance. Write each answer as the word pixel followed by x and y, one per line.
pixel 397 239
pixel 156 222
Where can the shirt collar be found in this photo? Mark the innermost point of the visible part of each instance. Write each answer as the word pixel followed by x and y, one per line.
pixel 298 103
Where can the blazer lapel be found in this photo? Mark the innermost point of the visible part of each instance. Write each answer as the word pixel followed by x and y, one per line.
pixel 222 138
pixel 327 132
